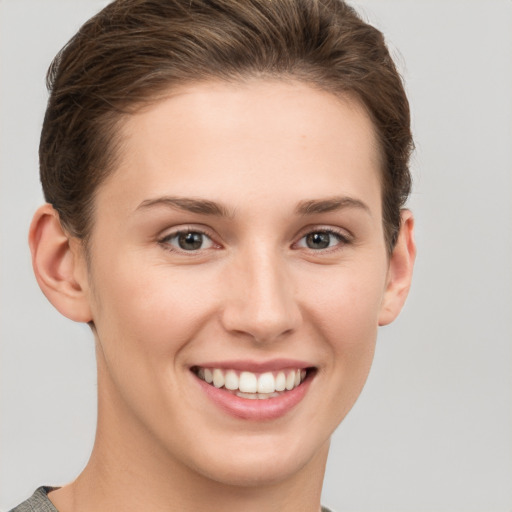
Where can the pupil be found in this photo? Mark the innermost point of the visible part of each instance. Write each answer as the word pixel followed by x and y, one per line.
pixel 318 240
pixel 190 241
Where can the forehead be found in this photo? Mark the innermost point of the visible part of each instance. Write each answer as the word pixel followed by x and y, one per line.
pixel 247 141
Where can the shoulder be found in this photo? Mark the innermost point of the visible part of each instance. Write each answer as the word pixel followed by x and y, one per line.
pixel 38 502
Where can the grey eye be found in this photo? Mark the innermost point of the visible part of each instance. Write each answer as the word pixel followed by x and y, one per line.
pixel 189 241
pixel 317 240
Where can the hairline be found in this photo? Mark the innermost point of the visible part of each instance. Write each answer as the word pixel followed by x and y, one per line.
pixel 113 121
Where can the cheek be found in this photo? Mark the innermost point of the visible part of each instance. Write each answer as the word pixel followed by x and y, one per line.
pixel 346 305
pixel 150 309
pixel 342 308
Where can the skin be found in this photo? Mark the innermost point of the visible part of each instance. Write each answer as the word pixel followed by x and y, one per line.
pixel 254 291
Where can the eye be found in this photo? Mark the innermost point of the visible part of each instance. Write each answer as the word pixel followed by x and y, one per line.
pixel 188 240
pixel 322 239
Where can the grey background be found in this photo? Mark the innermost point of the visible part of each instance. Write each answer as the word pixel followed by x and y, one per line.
pixel 433 428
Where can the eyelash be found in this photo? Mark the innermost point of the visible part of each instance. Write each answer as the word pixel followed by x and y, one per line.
pixel 165 242
pixel 342 237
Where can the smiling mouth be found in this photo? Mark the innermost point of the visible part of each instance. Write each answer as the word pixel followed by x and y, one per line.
pixel 245 384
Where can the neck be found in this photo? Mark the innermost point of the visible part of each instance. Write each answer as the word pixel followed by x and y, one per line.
pixel 130 470
pixel 111 482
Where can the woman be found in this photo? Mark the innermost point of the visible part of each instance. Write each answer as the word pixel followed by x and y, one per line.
pixel 225 184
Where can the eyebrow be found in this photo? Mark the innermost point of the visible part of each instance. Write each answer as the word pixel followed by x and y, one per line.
pixel 206 207
pixel 331 204
pixel 200 206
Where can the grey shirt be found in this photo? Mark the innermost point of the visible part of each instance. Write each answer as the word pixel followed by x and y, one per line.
pixel 39 502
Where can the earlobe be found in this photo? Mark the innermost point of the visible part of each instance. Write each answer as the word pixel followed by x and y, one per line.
pixel 59 266
pixel 400 271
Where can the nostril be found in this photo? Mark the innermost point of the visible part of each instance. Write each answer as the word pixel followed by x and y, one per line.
pixel 260 324
pixel 260 300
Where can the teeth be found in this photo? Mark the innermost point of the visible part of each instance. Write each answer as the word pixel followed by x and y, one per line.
pixel 231 380
pixel 290 381
pixel 248 382
pixel 254 396
pixel 208 375
pixel 218 378
pixel 251 385
pixel 281 381
pixel 250 396
pixel 266 383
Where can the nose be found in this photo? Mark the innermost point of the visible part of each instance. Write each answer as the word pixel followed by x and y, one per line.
pixel 260 299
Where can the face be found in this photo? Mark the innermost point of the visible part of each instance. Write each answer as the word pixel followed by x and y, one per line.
pixel 239 240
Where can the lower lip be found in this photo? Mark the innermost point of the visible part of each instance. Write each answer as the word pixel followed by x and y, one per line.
pixel 255 409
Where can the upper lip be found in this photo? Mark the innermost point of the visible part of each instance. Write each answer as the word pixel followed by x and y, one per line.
pixel 256 366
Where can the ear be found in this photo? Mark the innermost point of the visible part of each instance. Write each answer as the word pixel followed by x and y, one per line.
pixel 400 271
pixel 59 265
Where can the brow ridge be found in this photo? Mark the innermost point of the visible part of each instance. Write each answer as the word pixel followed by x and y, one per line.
pixel 330 204
pixel 207 207
pixel 200 206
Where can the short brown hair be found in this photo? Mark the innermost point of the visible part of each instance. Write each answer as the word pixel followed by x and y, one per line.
pixel 135 49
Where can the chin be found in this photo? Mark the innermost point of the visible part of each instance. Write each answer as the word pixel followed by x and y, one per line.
pixel 260 461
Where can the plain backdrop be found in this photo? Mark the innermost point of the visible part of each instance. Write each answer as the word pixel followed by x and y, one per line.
pixel 432 430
